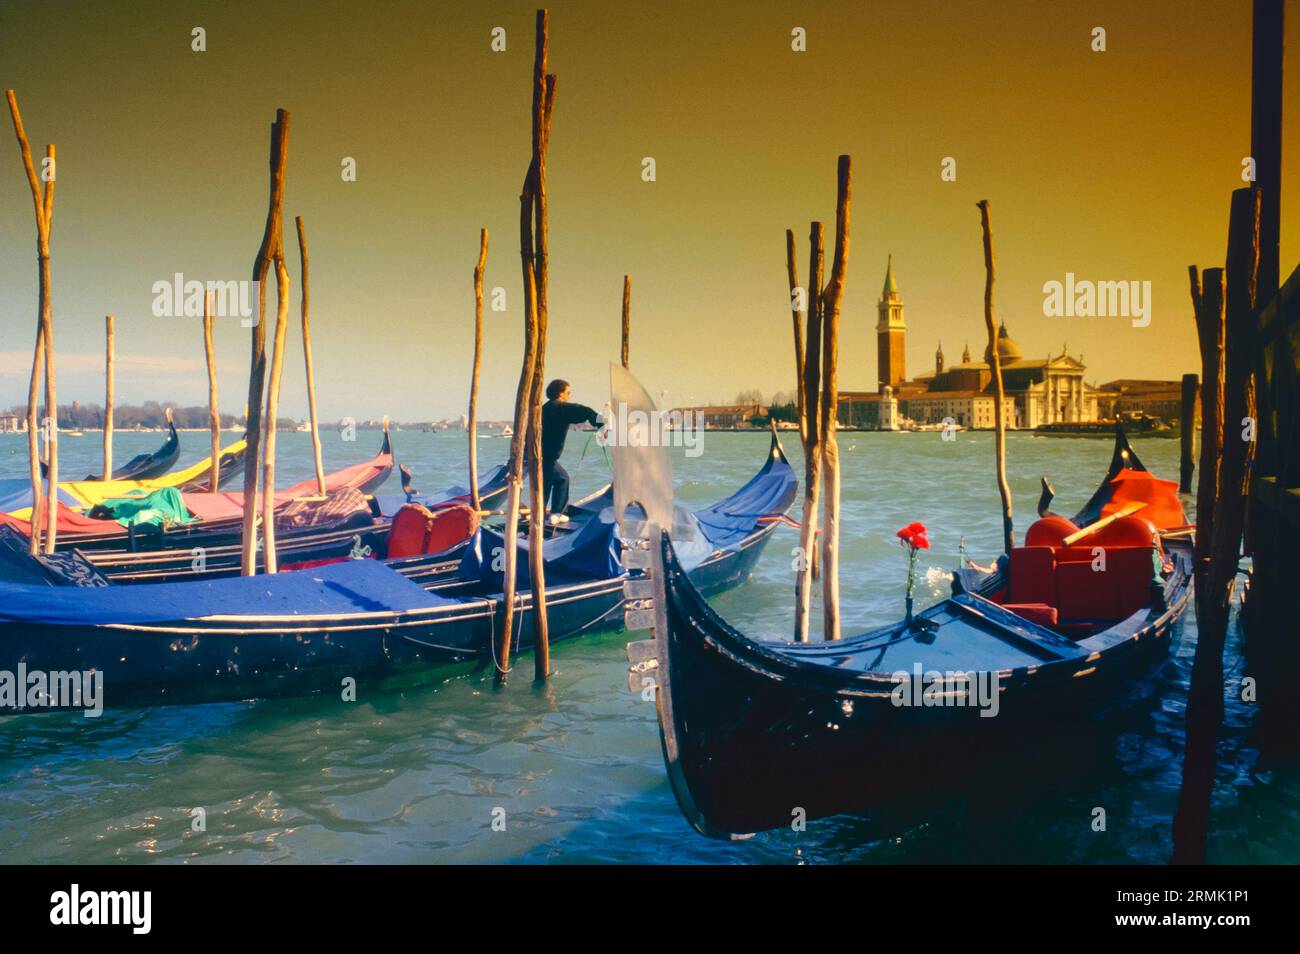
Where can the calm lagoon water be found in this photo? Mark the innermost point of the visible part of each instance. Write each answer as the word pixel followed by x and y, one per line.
pixel 413 774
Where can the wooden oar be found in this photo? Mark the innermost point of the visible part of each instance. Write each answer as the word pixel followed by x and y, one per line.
pixel 1124 511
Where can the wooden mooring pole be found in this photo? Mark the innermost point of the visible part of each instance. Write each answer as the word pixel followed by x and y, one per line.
pixel 1207 308
pixel 471 424
pixel 214 415
pixel 538 250
pixel 527 418
pixel 810 428
pixel 107 472
pixel 834 297
pixel 1273 520
pixel 270 247
pixel 798 314
pixel 306 357
pixel 1216 579
pixel 270 563
pixel 43 200
pixel 1187 435
pixel 999 396
pixel 627 317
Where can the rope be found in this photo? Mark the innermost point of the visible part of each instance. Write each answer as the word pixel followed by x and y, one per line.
pixel 583 456
pixel 783 519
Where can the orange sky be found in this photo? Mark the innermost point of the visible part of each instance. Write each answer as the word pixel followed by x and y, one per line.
pixel 1113 166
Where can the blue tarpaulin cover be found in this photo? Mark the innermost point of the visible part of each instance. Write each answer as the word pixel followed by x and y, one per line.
pixel 768 492
pixel 355 586
pixel 16 494
pixel 592 553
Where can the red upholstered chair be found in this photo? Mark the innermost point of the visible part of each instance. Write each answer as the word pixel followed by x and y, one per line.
pixel 1133 570
pixel 1031 575
pixel 410 527
pixel 450 526
pixel 1083 593
pixel 417 530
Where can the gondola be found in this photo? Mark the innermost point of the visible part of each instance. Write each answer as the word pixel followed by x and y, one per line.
pixel 294 633
pixel 194 478
pixel 363 530
pixel 145 466
pixel 219 515
pixel 758 733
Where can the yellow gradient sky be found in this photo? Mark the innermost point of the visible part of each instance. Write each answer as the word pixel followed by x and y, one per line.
pixel 1114 166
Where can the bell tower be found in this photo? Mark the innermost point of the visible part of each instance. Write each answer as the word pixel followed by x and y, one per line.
pixel 890 333
pixel 938 359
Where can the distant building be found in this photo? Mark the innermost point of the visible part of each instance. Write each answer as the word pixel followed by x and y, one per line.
pixel 890 333
pixel 726 415
pixel 1128 396
pixel 973 409
pixel 11 423
pixel 1038 391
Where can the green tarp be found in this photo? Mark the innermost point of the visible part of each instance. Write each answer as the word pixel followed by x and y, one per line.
pixel 162 508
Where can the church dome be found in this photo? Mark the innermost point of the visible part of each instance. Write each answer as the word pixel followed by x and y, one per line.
pixel 1008 350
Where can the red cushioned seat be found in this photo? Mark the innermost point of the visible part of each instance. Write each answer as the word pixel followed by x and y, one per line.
pixel 410 527
pixel 1083 593
pixel 1132 570
pixel 417 530
pixel 1039 613
pixel 1031 575
pixel 450 526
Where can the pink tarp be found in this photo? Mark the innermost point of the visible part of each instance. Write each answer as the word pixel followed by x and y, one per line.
pixel 364 477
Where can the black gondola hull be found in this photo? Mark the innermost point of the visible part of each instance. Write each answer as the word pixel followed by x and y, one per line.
pixel 205 660
pixel 757 736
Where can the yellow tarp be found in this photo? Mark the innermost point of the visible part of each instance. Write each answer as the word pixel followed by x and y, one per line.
pixel 88 493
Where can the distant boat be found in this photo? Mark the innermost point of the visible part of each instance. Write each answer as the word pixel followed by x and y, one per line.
pixel 74 434
pixel 304 427
pixel 507 431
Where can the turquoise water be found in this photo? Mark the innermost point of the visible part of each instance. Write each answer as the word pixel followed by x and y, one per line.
pixel 418 773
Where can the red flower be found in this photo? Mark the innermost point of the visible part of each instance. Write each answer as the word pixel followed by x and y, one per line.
pixel 914 535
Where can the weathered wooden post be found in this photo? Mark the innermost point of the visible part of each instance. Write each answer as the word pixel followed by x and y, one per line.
pixel 471 424
pixel 1266 135
pixel 543 103
pixel 811 427
pixel 1213 606
pixel 272 410
pixel 999 397
pixel 44 350
pixel 527 420
pixel 627 316
pixel 108 398
pixel 1187 436
pixel 798 314
pixel 214 415
pixel 306 357
pixel 1207 305
pixel 271 241
pixel 834 296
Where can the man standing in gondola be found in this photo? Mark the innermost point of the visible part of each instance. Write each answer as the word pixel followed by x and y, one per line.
pixel 558 415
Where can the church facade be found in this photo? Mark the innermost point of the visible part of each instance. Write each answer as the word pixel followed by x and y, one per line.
pixel 1037 390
